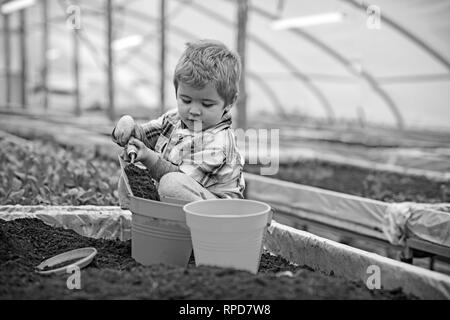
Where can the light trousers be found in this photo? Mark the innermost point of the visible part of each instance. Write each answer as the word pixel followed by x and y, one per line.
pixel 174 185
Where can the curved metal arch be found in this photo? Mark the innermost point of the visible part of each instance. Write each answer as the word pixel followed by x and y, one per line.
pixel 91 48
pixel 417 40
pixel 266 88
pixel 95 54
pixel 346 63
pixel 259 80
pixel 254 76
pixel 86 42
pixel 297 74
pixel 269 92
pixel 292 68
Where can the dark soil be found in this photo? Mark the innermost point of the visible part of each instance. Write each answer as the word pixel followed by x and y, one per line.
pixel 141 182
pixel 113 274
pixel 374 184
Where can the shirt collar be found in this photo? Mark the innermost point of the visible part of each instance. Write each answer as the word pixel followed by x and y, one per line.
pixel 225 123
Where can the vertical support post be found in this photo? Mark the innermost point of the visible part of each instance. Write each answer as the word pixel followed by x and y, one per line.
pixel 23 59
pixel 76 63
pixel 110 66
pixel 242 18
pixel 45 47
pixel 162 87
pixel 76 70
pixel 431 264
pixel 407 255
pixel 7 55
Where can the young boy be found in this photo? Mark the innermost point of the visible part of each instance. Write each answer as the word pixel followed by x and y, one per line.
pixel 191 151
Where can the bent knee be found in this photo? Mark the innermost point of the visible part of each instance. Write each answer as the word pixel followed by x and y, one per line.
pixel 170 182
pixel 172 178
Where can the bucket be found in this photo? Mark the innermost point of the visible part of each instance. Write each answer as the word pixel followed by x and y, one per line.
pixel 228 232
pixel 159 233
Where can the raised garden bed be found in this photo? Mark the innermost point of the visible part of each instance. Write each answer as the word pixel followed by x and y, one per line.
pixel 46 173
pixel 373 184
pixel 43 172
pixel 24 243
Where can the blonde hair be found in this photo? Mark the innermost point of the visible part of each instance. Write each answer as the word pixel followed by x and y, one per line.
pixel 209 61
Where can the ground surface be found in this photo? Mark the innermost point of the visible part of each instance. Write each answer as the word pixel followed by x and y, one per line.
pixel 24 243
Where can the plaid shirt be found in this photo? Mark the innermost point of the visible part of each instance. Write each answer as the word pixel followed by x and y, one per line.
pixel 211 157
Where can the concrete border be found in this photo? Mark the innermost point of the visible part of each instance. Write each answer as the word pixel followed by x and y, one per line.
pixel 335 258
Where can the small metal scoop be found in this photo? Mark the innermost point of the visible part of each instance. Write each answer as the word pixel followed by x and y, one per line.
pixel 132 152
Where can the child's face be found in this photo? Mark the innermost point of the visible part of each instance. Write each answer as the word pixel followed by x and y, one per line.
pixel 203 105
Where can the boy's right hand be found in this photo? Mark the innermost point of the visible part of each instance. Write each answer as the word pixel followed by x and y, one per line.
pixel 124 130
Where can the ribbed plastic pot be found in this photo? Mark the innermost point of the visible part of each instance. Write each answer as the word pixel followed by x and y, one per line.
pixel 228 232
pixel 159 233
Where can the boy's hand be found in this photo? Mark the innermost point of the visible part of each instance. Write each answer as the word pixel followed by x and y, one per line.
pixel 143 154
pixel 124 130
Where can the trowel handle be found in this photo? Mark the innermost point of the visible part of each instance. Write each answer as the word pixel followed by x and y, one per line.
pixel 131 152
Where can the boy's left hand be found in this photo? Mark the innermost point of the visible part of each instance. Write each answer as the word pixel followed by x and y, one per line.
pixel 143 154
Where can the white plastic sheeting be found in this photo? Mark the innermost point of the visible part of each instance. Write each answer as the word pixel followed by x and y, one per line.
pixel 429 222
pixel 90 221
pixel 391 222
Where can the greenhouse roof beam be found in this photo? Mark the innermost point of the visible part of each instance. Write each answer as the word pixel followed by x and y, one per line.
pixel 277 56
pixel 405 32
pixel 254 76
pixel 270 93
pixel 345 62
